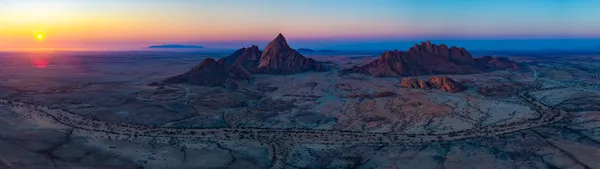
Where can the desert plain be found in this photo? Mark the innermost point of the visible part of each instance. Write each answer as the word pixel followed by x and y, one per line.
pixel 103 110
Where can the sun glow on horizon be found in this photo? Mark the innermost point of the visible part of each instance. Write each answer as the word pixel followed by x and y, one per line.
pixel 39 37
pixel 133 24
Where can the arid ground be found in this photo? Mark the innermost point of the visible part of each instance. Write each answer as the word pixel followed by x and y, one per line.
pixel 97 110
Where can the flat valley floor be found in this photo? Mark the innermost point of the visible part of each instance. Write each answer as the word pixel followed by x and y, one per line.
pixel 97 110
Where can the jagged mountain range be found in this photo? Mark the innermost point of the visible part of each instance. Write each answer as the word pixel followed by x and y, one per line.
pixel 277 58
pixel 427 58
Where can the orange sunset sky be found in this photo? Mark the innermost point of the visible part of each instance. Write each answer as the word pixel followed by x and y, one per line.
pixel 130 24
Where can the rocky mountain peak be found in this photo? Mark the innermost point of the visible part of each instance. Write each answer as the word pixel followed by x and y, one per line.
pixel 278 43
pixel 280 36
pixel 279 58
pixel 427 43
pixel 427 46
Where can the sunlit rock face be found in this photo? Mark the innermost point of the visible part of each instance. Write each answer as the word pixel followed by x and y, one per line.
pixel 411 82
pixel 427 58
pixel 440 82
pixel 446 84
pixel 279 58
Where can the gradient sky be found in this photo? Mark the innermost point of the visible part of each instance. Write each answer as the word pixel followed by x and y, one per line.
pixel 133 24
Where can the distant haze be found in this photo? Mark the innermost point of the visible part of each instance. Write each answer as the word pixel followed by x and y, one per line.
pixel 175 46
pixel 321 24
pixel 478 44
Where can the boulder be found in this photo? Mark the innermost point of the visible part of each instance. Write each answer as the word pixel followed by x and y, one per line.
pixel 446 84
pixel 423 84
pixel 411 82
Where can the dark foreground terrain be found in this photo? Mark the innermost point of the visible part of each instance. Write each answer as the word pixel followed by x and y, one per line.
pixel 97 110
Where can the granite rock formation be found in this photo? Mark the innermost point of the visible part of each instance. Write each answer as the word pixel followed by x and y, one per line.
pixel 446 84
pixel 499 63
pixel 208 73
pixel 427 58
pixel 247 57
pixel 279 58
pixel 411 82
pixel 238 71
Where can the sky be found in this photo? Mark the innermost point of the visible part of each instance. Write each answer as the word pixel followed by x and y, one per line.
pixel 348 24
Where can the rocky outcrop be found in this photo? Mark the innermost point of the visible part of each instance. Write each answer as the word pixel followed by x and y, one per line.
pixel 279 58
pixel 247 57
pixel 427 58
pixel 423 84
pixel 208 73
pixel 411 82
pixel 441 82
pixel 460 55
pixel 446 84
pixel 238 71
pixel 499 63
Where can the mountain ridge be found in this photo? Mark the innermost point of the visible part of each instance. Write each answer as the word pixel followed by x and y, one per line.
pixel 427 58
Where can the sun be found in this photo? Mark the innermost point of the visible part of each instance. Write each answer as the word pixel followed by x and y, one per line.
pixel 39 36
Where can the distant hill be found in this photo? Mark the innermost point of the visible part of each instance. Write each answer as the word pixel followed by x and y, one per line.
pixel 306 50
pixel 328 50
pixel 175 46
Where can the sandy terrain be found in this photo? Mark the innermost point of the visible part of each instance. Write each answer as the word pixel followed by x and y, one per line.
pixel 96 110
